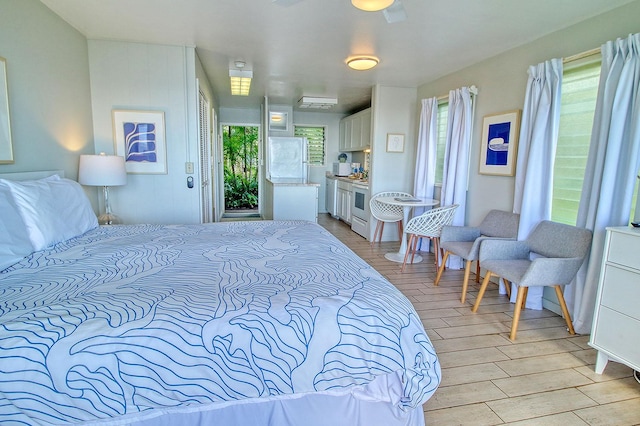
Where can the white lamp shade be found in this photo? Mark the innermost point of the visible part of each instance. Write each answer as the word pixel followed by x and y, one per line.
pixel 102 170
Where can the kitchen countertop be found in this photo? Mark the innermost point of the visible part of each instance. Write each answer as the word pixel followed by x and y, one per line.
pixel 362 182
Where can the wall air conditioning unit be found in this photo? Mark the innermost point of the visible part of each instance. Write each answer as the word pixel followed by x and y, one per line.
pixel 316 103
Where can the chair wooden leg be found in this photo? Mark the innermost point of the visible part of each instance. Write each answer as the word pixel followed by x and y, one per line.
pixel 399 229
pixel 465 281
pixel 565 311
pixel 375 233
pixel 478 271
pixel 409 249
pixel 483 287
pixel 436 250
pixel 516 313
pixel 524 298
pixel 381 231
pixel 441 269
pixel 507 287
pixel 416 240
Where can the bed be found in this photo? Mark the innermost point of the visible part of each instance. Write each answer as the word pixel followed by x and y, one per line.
pixel 265 322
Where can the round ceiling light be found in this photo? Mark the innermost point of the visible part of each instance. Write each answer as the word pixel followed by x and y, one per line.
pixel 362 63
pixel 372 5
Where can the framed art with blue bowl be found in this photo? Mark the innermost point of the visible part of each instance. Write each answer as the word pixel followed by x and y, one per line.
pixel 499 148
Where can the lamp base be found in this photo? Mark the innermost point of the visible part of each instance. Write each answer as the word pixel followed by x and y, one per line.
pixel 109 219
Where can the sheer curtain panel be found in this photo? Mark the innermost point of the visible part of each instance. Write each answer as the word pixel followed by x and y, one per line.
pixel 456 157
pixel 612 167
pixel 536 154
pixel 425 175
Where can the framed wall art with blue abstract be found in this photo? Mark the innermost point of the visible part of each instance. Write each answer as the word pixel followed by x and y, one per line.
pixel 499 148
pixel 140 138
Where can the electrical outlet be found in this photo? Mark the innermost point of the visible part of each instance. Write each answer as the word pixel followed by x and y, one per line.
pixel 188 166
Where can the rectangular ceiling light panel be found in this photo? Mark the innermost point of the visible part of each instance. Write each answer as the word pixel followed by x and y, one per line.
pixel 240 82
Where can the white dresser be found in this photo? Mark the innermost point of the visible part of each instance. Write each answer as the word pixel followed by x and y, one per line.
pixel 616 323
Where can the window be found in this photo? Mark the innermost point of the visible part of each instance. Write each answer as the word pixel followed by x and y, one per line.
pixel 315 143
pixel 577 108
pixel 443 115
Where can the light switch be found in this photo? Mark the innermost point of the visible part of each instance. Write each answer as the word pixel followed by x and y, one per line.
pixel 188 166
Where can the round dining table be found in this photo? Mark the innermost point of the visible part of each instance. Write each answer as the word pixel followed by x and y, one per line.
pixel 407 203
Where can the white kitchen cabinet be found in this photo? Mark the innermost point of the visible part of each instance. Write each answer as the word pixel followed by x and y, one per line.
pixel 344 201
pixel 344 144
pixel 291 201
pixel 616 323
pixel 355 131
pixel 365 134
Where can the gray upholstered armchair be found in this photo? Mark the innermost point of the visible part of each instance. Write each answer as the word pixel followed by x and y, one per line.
pixel 464 241
pixel 550 256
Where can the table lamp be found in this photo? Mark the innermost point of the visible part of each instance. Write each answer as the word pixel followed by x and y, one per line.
pixel 105 171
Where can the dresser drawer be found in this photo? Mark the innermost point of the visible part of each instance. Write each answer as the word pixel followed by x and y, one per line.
pixel 618 335
pixel 624 249
pixel 621 291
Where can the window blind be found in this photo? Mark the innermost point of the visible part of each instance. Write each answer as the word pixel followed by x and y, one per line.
pixel 577 108
pixel 315 143
pixel 443 115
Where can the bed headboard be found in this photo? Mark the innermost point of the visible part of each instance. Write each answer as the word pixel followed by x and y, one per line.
pixel 31 175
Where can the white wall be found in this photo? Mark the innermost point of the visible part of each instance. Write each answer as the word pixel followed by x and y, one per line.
pixel 134 76
pixel 49 93
pixel 317 173
pixel 502 81
pixel 394 111
pixel 240 116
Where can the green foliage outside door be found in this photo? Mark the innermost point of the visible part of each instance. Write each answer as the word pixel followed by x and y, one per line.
pixel 240 148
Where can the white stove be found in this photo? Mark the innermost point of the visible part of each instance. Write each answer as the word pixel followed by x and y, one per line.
pixel 360 209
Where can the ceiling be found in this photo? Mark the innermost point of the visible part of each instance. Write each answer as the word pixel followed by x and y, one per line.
pixel 298 48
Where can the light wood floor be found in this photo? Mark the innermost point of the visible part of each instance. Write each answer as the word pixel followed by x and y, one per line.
pixel 545 377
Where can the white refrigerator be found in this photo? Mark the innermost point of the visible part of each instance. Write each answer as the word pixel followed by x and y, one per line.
pixel 288 193
pixel 287 159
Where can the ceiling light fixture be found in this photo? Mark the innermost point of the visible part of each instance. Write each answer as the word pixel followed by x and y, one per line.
pixel 362 63
pixel 240 79
pixel 316 103
pixel 372 5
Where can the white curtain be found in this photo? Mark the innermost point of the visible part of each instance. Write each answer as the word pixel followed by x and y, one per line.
pixel 456 158
pixel 536 154
pixel 612 166
pixel 425 175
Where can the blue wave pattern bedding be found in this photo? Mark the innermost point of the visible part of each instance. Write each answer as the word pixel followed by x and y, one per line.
pixel 128 319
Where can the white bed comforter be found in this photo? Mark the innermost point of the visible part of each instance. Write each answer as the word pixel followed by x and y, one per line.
pixel 128 319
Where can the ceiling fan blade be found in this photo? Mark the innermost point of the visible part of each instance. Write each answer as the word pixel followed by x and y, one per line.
pixel 285 3
pixel 395 12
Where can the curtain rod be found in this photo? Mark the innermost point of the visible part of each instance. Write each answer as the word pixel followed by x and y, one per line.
pixel 582 55
pixel 473 89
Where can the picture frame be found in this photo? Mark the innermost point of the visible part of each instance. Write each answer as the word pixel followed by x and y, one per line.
pixel 499 148
pixel 139 137
pixel 395 142
pixel 6 143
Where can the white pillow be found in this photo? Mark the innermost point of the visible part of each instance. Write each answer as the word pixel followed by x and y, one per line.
pixel 53 210
pixel 14 239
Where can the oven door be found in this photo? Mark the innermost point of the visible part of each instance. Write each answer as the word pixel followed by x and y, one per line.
pixel 360 210
pixel 360 197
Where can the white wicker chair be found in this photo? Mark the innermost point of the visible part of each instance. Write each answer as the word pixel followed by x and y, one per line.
pixel 384 213
pixel 428 225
